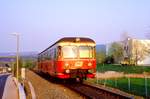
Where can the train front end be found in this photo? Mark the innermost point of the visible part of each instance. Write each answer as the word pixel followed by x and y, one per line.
pixel 76 59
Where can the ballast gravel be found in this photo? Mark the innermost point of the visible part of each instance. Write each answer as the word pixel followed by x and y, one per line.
pixel 47 90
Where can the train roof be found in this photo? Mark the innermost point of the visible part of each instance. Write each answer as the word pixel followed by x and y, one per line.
pixel 72 40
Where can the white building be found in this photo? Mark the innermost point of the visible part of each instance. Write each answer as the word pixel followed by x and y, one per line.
pixel 138 50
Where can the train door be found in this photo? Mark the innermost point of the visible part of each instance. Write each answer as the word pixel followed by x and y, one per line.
pixel 55 60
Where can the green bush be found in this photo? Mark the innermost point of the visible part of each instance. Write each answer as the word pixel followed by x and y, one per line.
pixel 29 63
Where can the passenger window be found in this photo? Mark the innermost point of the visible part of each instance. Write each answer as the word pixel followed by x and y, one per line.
pixel 59 52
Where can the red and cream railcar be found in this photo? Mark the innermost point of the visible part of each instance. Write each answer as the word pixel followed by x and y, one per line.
pixel 70 57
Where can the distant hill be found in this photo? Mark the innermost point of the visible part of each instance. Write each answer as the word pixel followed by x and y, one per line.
pixel 34 55
pixel 101 48
pixel 29 55
pixel 23 55
pixel 8 54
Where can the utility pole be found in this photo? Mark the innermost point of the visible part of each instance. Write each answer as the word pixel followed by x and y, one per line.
pixel 17 53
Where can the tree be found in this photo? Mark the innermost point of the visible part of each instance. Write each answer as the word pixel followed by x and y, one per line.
pixel 28 63
pixel 109 60
pixel 139 50
pixel 116 50
pixel 127 47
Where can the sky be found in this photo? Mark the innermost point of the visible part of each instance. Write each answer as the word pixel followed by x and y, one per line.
pixel 40 23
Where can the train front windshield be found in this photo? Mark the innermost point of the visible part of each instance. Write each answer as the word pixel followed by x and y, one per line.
pixel 85 52
pixel 70 51
pixel 78 52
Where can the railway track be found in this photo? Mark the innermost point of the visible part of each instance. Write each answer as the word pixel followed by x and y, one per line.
pixel 95 92
pixel 90 91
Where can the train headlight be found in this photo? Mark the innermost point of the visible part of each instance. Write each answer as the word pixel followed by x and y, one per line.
pixel 67 71
pixel 89 64
pixel 90 71
pixel 66 65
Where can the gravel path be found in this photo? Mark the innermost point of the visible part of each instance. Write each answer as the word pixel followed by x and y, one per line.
pixel 47 90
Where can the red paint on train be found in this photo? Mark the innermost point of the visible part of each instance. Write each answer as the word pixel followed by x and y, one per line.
pixel 69 57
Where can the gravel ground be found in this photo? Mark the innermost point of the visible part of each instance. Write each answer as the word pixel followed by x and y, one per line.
pixel 47 90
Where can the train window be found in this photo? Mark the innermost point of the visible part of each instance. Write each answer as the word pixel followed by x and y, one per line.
pixel 55 53
pixel 51 54
pixel 42 56
pixel 94 52
pixel 48 54
pixel 59 52
pixel 85 52
pixel 38 59
pixel 45 56
pixel 69 51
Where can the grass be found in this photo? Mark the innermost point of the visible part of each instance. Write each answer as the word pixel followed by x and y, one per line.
pixel 137 85
pixel 125 69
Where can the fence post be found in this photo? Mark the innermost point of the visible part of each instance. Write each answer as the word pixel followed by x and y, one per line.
pixel 105 82
pixel 97 77
pixel 145 86
pixel 129 83
pixel 115 82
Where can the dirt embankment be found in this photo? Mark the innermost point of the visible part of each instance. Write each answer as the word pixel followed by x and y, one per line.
pixel 47 90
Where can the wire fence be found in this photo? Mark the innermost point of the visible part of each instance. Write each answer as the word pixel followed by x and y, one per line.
pixel 137 86
pixel 131 79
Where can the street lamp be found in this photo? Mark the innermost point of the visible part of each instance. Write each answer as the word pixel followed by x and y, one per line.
pixel 17 53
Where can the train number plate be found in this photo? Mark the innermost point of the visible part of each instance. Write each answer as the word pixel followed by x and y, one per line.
pixel 78 64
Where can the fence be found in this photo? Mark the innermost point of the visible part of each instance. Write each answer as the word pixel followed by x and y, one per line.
pixel 137 86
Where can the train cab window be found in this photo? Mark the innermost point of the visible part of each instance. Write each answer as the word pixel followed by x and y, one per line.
pixel 85 52
pixel 70 51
